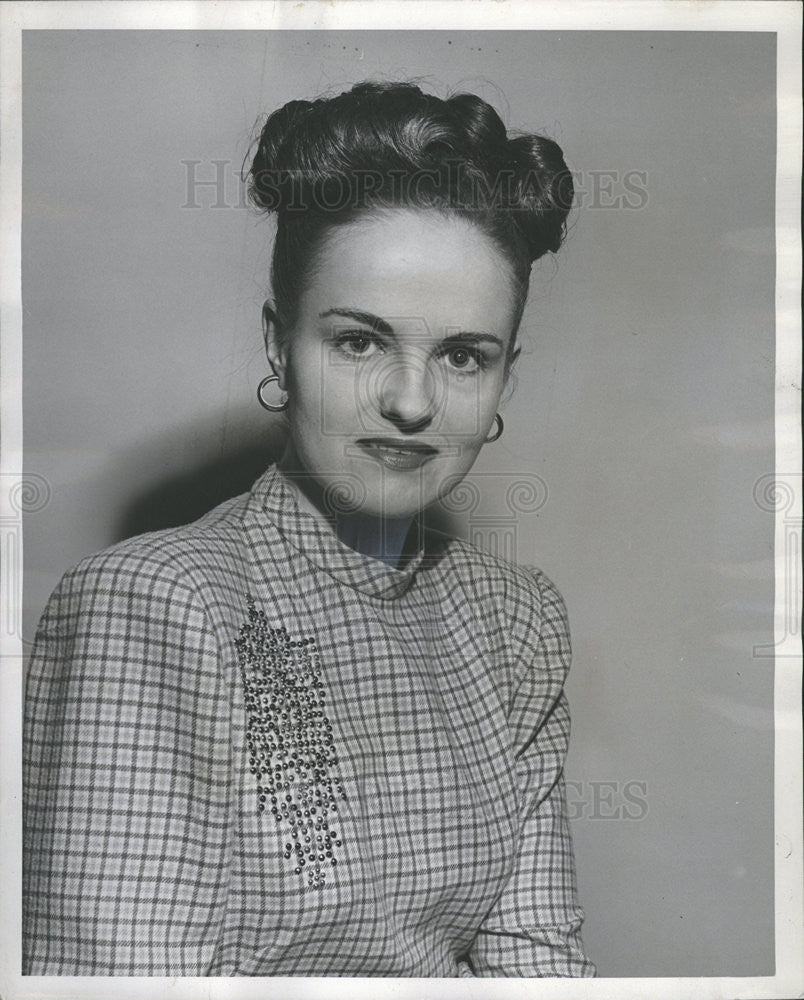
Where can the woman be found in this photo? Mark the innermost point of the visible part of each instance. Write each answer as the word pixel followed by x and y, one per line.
pixel 302 736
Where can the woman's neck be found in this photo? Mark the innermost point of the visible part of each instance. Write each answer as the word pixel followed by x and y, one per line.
pixel 380 538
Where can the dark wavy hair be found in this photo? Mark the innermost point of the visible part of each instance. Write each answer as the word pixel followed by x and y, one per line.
pixel 320 164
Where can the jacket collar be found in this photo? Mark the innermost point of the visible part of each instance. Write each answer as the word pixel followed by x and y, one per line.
pixel 276 500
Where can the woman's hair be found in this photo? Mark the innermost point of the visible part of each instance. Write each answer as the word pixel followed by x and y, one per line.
pixel 320 164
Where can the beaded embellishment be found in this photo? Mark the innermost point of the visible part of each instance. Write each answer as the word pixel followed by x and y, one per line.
pixel 291 748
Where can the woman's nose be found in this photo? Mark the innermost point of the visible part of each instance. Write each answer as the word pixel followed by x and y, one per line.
pixel 407 395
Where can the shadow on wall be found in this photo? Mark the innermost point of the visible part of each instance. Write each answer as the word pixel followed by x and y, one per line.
pixel 209 480
pixel 188 494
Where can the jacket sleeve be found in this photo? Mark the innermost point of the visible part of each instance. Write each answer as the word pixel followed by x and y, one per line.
pixel 534 927
pixel 126 775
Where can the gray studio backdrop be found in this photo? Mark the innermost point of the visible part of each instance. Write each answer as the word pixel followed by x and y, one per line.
pixel 641 422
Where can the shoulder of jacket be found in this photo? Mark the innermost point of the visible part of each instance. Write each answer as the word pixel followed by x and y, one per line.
pixel 520 597
pixel 485 567
pixel 521 612
pixel 170 554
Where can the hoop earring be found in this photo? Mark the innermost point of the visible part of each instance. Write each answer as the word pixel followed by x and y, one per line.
pixel 498 433
pixel 272 407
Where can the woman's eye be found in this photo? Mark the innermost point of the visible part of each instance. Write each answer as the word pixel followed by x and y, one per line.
pixel 357 344
pixel 464 359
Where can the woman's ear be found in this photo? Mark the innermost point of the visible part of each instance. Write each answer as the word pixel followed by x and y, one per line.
pixel 510 376
pixel 514 357
pixel 275 346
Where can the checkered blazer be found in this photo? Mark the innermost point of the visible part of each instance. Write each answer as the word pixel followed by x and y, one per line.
pixel 250 750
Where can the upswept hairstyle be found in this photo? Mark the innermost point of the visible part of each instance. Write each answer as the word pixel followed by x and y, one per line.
pixel 319 164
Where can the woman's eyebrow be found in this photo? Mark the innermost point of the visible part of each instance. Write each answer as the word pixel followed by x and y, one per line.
pixel 382 326
pixel 470 337
pixel 369 319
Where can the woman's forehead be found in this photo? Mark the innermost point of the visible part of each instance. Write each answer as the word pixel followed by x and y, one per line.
pixel 414 263
pixel 407 236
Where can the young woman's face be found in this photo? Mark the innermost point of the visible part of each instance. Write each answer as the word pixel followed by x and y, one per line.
pixel 398 358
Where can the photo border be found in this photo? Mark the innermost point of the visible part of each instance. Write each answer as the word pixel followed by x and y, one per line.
pixel 782 492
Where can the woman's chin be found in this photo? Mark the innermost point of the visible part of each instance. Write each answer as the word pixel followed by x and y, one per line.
pixel 365 486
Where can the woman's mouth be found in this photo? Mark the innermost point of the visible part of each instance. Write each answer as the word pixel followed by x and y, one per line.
pixel 397 454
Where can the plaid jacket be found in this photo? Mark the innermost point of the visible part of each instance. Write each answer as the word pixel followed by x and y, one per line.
pixel 250 750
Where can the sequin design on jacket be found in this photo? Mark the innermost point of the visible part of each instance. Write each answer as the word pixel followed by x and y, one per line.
pixel 290 742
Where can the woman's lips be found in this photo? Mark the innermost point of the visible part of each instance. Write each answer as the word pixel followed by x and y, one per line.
pixel 398 454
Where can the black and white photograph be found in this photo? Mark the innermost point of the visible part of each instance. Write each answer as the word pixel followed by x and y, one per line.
pixel 401 499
